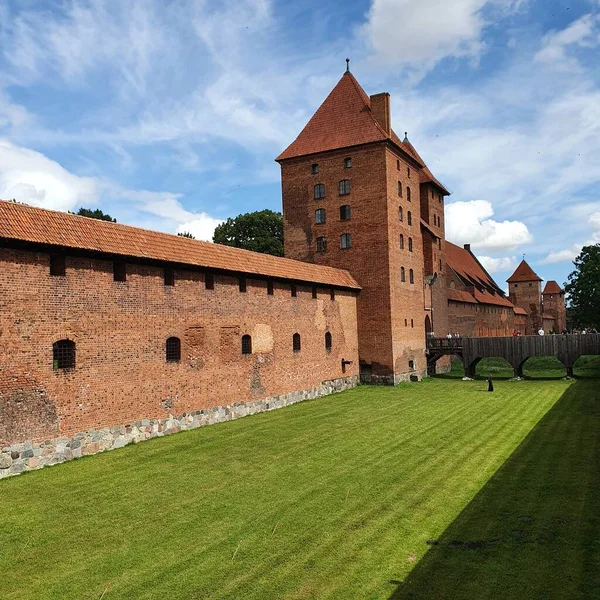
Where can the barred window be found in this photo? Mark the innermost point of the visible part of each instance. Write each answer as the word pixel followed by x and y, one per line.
pixel 209 281
pixel 408 193
pixel 57 265
pixel 401 242
pixel 345 212
pixel 296 342
pixel 320 215
pixel 314 169
pixel 411 276
pixel 345 241
pixel 319 191
pixel 328 342
pixel 410 249
pixel 270 289
pixel 321 244
pixel 63 354
pixel 400 189
pixel 347 163
pixel 344 187
pixel 119 271
pixel 169 276
pixel 246 344
pixel 173 349
pixel 402 274
pixel 409 218
pixel 242 284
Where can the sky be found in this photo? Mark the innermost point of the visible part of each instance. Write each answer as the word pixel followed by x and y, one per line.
pixel 167 114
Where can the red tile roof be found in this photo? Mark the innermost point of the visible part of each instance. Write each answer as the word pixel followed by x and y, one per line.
pixel 495 299
pixel 461 296
pixel 520 311
pixel 552 287
pixel 39 226
pixel 523 273
pixel 426 226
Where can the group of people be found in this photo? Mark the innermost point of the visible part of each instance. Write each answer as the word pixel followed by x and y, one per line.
pixel 450 336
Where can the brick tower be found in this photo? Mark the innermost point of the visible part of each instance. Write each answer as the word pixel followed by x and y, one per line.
pixel 525 290
pixel 553 298
pixel 354 195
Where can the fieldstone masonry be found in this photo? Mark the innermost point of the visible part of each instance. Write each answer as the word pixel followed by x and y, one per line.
pixel 29 456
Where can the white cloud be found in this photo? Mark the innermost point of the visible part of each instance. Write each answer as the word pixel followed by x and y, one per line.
pixel 471 223
pixel 202 227
pixel 493 265
pixel 569 254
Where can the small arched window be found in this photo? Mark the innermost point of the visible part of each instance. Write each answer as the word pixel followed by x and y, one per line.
pixel 173 349
pixel 319 191
pixel 408 193
pixel 400 189
pixel 410 244
pixel 344 187
pixel 452 285
pixel 63 354
pixel 411 276
pixel 328 342
pixel 409 218
pixel 402 274
pixel 246 344
pixel 400 214
pixel 401 241
pixel 320 215
pixel 296 345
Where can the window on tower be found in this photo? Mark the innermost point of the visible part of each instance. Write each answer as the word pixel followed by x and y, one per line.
pixel 401 242
pixel 345 241
pixel 321 244
pixel 409 218
pixel 319 191
pixel 400 214
pixel 345 212
pixel 344 187
pixel 402 274
pixel 410 247
pixel 314 168
pixel 408 193
pixel 400 189
pixel 320 215
pixel 347 163
pixel 411 276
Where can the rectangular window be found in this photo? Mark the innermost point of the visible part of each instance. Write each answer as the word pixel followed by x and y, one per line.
pixel 345 212
pixel 319 191
pixel 242 284
pixel 321 244
pixel 320 216
pixel 57 265
pixel 314 169
pixel 347 163
pixel 400 189
pixel 408 171
pixel 398 165
pixel 169 276
pixel 120 270
pixel 344 187
pixel 408 193
pixel 270 289
pixel 294 291
pixel 209 281
pixel 345 241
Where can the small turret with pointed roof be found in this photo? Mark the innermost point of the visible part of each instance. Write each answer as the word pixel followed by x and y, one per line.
pixel 525 291
pixel 523 273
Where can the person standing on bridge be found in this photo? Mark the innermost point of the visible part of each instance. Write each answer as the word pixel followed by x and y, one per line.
pixel 490 384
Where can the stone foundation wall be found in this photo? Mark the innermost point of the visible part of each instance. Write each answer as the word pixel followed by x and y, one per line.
pixel 28 456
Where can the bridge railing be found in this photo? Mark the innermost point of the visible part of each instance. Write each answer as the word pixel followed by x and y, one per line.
pixel 453 343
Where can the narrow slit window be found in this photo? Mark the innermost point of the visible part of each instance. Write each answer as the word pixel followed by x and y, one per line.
pixel 319 191
pixel 400 189
pixel 57 265
pixel 63 354
pixel 332 294
pixel 321 244
pixel 412 323
pixel 408 193
pixel 320 216
pixel 345 212
pixel 401 242
pixel 402 274
pixel 296 344
pixel 120 270
pixel 328 342
pixel 345 241
pixel 209 281
pixel 314 292
pixel 344 187
pixel 242 284
pixel 409 217
pixel 398 165
pixel 408 171
pixel 411 276
pixel 294 291
pixel 410 246
pixel 169 276
pixel 173 349
pixel 246 344
pixel 400 214
pixel 270 288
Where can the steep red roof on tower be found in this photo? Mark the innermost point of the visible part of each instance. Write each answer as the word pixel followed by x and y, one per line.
pixel 425 176
pixel 553 288
pixel 523 273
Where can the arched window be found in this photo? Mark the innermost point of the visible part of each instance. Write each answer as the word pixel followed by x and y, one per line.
pixel 328 342
pixel 320 215
pixel 410 244
pixel 400 189
pixel 296 342
pixel 402 274
pixel 452 285
pixel 411 365
pixel 409 218
pixel 408 193
pixel 345 212
pixel 319 191
pixel 63 354
pixel 401 241
pixel 246 344
pixel 173 349
pixel 344 187
pixel 400 214
pixel 411 276
pixel 345 241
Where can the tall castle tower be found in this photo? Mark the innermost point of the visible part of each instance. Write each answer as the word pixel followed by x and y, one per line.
pixel 357 197
pixel 553 298
pixel 525 290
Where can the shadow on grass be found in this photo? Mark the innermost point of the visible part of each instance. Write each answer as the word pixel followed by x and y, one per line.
pixel 533 531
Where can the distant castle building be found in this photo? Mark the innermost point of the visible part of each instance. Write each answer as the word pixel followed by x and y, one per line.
pixel 112 334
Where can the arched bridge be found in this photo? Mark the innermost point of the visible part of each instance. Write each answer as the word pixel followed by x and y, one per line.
pixel 515 350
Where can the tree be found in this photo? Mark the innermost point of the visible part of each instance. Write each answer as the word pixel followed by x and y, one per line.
pixel 94 214
pixel 186 234
pixel 583 288
pixel 260 231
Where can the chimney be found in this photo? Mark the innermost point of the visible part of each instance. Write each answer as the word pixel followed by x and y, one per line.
pixel 468 247
pixel 380 107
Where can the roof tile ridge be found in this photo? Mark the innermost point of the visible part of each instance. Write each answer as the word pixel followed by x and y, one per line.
pixel 363 95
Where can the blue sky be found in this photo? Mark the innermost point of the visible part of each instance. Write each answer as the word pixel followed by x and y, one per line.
pixel 168 113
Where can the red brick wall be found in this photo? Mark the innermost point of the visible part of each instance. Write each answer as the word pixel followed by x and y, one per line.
pixel 554 304
pixel 120 329
pixel 528 295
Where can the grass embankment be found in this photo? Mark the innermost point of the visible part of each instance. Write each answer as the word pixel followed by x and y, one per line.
pixel 332 498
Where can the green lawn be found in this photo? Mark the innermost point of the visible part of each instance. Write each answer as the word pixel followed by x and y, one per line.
pixel 331 498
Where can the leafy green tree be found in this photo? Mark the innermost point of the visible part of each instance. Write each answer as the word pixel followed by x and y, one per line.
pixel 260 231
pixel 583 288
pixel 186 234
pixel 94 214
